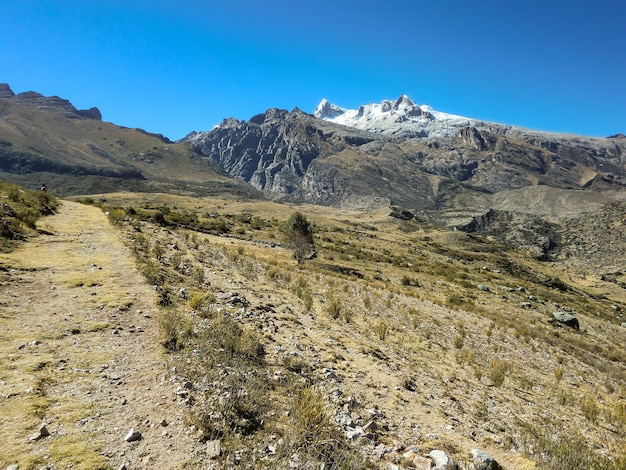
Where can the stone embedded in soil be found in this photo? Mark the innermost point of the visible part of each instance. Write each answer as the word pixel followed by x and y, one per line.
pixel 214 448
pixel 133 435
pixel 43 432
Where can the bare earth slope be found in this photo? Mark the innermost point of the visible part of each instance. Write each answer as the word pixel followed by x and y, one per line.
pixel 78 353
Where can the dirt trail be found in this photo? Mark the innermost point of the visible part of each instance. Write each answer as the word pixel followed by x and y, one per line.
pixel 79 353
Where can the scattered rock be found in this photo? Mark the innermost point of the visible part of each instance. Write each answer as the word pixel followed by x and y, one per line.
pixel 40 434
pixel 421 463
pixel 442 461
pixel 483 288
pixel 13 467
pixel 481 460
pixel 214 448
pixel 133 435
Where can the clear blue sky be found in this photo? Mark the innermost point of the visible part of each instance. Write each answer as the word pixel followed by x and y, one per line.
pixel 176 66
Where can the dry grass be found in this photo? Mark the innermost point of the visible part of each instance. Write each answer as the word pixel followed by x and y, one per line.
pixel 433 352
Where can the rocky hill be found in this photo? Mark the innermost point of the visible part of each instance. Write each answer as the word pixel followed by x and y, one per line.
pixel 46 139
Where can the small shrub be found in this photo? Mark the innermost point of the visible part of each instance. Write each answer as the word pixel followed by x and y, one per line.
pixel 307 298
pixel 14 194
pixel 381 329
pixel 313 436
pixel 558 374
pixel 177 260
pixel 589 407
pixel 152 272
pixel 175 330
pixel 347 315
pixel 498 370
pixel 116 216
pixel 157 251
pixel 199 275
pixel 201 300
pixel 333 307
pixel 464 356
pixel 29 217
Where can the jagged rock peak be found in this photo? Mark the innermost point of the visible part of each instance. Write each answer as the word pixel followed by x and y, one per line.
pixel 5 91
pixel 327 110
pixel 230 123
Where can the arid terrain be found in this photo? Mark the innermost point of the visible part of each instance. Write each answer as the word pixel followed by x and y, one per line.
pixel 80 353
pixel 188 320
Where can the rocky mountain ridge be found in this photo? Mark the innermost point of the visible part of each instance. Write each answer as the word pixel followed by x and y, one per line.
pixel 49 103
pixel 46 139
pixel 398 153
pixel 444 167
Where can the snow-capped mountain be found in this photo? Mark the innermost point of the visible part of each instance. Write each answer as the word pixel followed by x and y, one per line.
pixel 402 117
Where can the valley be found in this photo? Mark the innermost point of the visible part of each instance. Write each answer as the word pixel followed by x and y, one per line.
pixel 466 295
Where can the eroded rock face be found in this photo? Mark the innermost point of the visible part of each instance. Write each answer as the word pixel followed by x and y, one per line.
pixel 534 234
pixel 476 139
pixel 273 151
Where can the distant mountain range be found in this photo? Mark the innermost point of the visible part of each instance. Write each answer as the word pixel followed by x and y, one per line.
pixel 399 153
pixel 436 166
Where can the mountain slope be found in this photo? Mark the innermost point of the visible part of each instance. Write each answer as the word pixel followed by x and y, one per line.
pixel 47 139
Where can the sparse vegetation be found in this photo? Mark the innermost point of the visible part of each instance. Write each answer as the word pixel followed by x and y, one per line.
pixel 20 209
pixel 385 320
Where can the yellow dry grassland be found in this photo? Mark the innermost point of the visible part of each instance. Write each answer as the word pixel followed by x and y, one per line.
pixel 444 332
pixel 440 338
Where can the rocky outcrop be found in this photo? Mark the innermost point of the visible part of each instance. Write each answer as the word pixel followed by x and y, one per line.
pixel 478 140
pixel 273 151
pixel 533 234
pixel 5 91
pixel 48 103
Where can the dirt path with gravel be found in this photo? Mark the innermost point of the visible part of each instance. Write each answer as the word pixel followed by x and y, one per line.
pixel 79 353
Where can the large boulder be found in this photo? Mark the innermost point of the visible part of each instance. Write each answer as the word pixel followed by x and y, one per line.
pixel 566 319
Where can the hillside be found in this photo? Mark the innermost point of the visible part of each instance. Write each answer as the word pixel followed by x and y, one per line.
pixel 407 339
pixel 45 139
